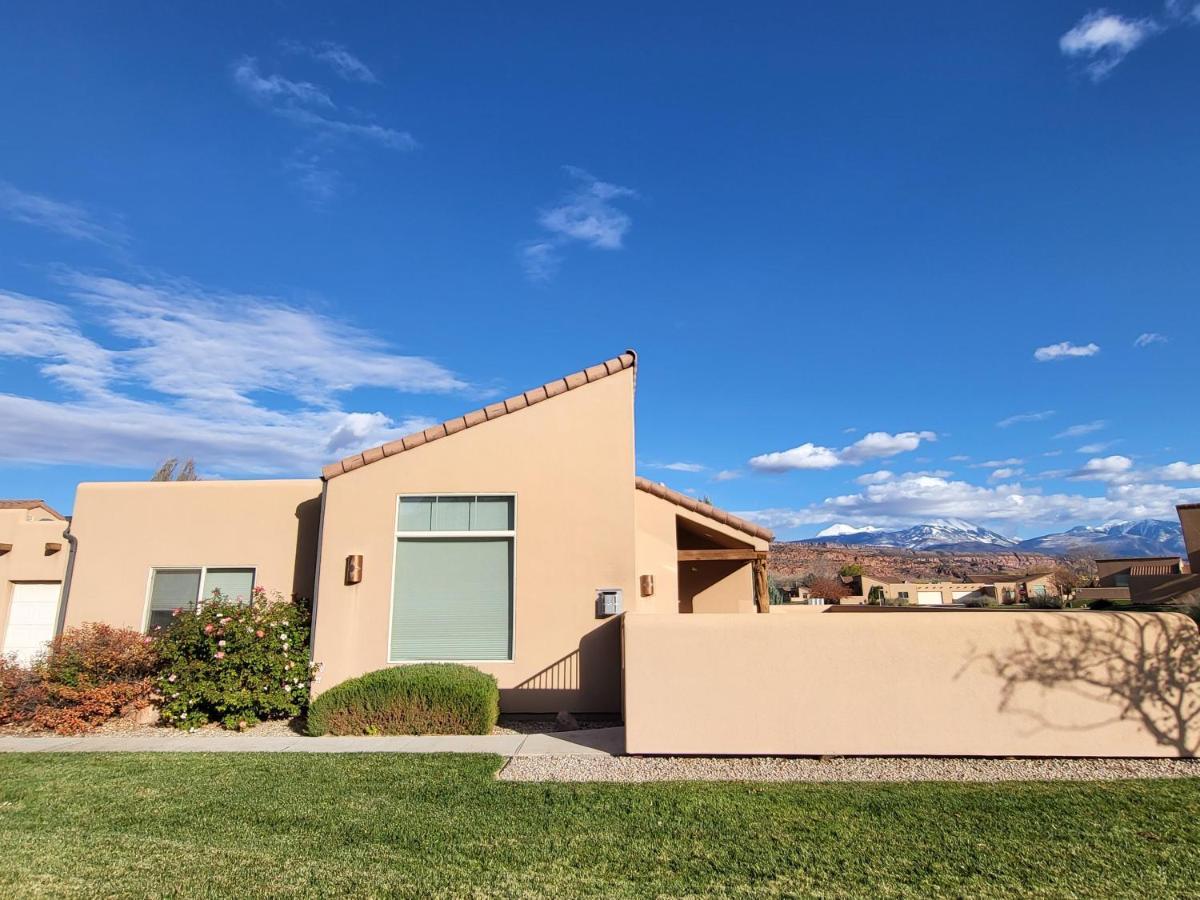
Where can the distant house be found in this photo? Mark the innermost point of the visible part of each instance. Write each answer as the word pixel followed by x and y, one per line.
pixel 1153 579
pixel 1002 588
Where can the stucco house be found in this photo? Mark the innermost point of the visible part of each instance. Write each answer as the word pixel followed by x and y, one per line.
pixel 507 538
pixel 33 560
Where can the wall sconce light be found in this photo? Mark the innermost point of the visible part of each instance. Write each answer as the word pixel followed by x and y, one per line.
pixel 354 567
pixel 647 582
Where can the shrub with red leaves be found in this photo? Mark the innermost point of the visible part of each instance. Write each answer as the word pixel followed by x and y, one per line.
pixel 88 675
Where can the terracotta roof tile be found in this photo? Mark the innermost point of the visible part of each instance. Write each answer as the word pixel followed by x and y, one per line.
pixel 690 503
pixel 627 360
pixel 32 504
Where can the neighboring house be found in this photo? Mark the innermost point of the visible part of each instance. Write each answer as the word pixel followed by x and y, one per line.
pixel 506 538
pixel 1001 588
pixel 33 563
pixel 1006 588
pixel 1153 579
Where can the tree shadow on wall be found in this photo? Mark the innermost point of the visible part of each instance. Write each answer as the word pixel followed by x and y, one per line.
pixel 1147 665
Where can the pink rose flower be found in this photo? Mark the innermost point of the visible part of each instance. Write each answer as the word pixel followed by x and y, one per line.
pixel 171 678
pixel 220 643
pixel 219 655
pixel 208 629
pixel 259 633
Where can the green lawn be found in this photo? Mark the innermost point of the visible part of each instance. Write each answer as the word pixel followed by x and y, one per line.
pixel 420 826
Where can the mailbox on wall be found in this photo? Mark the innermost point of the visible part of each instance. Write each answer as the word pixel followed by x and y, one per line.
pixel 608 602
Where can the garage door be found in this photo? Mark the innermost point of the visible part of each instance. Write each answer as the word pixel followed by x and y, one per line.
pixel 929 598
pixel 958 595
pixel 31 619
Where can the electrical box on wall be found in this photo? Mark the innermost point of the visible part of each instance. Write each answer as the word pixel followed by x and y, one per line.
pixel 608 602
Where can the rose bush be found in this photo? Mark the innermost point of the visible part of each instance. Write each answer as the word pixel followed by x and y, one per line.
pixel 233 663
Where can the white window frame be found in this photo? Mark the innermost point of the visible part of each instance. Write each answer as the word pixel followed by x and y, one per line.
pixel 199 587
pixel 399 535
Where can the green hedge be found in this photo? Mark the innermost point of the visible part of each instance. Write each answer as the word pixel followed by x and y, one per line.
pixel 429 698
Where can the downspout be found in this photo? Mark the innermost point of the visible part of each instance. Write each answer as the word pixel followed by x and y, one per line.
pixel 73 543
pixel 312 624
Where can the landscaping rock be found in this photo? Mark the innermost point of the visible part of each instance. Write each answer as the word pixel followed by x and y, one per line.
pixel 144 715
pixel 564 721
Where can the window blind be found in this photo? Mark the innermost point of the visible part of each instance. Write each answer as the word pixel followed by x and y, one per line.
pixel 452 599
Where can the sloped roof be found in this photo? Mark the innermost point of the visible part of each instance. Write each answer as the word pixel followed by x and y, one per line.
pixel 547 391
pixel 32 504
pixel 704 509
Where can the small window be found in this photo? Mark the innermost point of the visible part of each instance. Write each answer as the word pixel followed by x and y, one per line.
pixel 1121 580
pixel 903 595
pixel 172 589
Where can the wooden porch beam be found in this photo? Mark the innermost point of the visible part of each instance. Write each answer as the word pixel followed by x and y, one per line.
pixel 748 555
pixel 762 592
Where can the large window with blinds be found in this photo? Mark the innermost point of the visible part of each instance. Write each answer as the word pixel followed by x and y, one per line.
pixel 452 588
pixel 186 588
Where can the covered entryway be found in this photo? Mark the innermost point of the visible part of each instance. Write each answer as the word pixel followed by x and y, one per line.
pixel 929 598
pixel 718 573
pixel 32 615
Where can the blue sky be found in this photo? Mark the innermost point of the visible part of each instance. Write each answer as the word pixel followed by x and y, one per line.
pixel 881 266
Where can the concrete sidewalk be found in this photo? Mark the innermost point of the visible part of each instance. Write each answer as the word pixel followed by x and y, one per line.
pixel 604 742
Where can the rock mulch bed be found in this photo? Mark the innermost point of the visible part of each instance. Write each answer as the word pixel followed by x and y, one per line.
pixel 870 769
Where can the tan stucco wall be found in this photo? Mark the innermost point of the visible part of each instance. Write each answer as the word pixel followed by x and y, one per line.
pixel 125 529
pixel 656 552
pixel 570 463
pixel 871 682
pixel 717 587
pixel 29 531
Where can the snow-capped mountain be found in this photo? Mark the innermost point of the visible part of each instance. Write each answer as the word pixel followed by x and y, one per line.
pixel 841 529
pixel 1143 537
pixel 940 534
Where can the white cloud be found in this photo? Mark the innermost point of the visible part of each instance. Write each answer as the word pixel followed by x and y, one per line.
pixel 727 475
pixel 587 214
pixel 1098 447
pixel 806 456
pixel 1082 429
pixel 242 383
pixel 311 107
pixel 344 63
pixel 1005 473
pixel 54 215
pixel 1104 468
pixel 1179 471
pixel 679 466
pixel 998 463
pixel 1104 39
pixel 271 89
pixel 958 457
pixel 1064 350
pixel 876 445
pixel 919 498
pixel 540 260
pixel 876 477
pixel 1149 338
pixel 1025 417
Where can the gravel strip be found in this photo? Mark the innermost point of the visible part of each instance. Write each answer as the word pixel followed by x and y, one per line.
pixel 694 768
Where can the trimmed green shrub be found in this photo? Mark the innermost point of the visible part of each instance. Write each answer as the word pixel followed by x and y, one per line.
pixel 1046 601
pixel 1101 604
pixel 233 663
pixel 426 698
